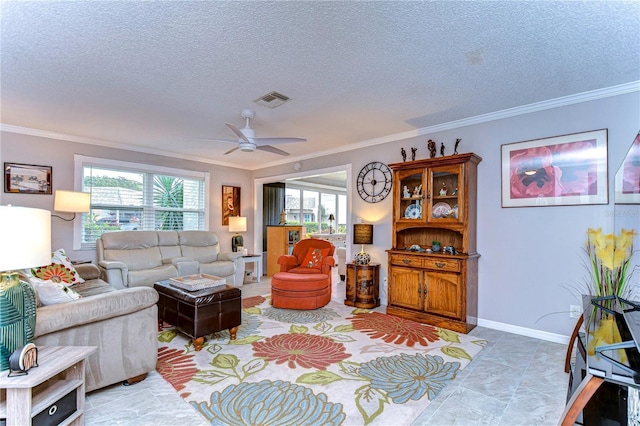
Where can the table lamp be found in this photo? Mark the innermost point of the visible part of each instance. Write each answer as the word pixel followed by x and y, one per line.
pixel 71 202
pixel 26 243
pixel 331 219
pixel 237 224
pixel 362 234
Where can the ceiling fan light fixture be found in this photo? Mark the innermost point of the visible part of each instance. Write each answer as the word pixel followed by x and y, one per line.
pixel 247 146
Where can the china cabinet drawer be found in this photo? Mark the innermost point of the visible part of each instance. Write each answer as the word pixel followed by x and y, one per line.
pixel 442 264
pixel 402 260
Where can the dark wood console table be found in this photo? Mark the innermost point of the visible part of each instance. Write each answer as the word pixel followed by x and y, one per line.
pixel 362 286
pixel 608 371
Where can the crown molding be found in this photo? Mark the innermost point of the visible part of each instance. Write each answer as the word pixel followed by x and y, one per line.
pixel 606 92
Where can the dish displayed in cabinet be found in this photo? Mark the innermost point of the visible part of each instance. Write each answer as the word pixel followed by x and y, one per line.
pixel 414 211
pixel 440 210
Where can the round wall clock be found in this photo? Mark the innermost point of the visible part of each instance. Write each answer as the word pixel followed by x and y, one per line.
pixel 374 182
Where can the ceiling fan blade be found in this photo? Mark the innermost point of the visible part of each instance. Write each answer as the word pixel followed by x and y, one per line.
pixel 215 140
pixel 272 149
pixel 237 131
pixel 269 141
pixel 231 150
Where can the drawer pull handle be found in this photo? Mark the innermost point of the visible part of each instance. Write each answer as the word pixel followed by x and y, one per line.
pixel 440 265
pixel 406 261
pixel 53 410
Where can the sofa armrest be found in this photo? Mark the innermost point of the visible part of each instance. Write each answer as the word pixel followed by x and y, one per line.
pixel 53 318
pixel 185 265
pixel 115 273
pixel 88 271
pixel 233 256
pixel 236 258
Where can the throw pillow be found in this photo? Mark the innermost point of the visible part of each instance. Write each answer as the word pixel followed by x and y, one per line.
pixel 314 257
pixel 60 270
pixel 51 292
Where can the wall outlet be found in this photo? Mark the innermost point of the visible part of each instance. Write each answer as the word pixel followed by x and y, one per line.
pixel 574 311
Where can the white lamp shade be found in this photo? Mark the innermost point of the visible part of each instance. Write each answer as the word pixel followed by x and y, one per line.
pixel 26 238
pixel 72 201
pixel 237 224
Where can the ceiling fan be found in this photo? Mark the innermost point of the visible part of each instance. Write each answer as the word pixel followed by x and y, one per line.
pixel 247 140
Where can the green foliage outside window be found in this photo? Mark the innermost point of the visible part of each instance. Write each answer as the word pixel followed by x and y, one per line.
pixel 168 192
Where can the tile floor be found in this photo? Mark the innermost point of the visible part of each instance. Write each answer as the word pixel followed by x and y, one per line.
pixel 515 380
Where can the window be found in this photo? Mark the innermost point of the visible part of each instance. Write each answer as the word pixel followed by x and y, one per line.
pixel 314 207
pixel 131 197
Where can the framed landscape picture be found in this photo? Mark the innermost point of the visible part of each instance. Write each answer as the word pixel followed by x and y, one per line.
pixel 230 203
pixel 557 171
pixel 27 178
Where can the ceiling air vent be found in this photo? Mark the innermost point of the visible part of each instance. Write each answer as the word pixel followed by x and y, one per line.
pixel 271 100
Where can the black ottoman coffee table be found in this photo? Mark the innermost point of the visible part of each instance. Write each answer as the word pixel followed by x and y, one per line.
pixel 201 312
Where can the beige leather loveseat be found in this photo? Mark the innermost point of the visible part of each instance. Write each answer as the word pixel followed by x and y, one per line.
pixel 123 324
pixel 141 258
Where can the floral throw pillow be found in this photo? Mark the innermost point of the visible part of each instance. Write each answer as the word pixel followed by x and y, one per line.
pixel 60 270
pixel 314 257
pixel 52 292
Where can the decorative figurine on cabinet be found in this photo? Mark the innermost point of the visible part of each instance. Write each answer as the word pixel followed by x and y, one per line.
pixel 442 149
pixel 431 145
pixel 443 190
pixel 413 153
pixel 417 191
pixel 455 191
pixel 405 192
pixel 455 148
pixel 404 154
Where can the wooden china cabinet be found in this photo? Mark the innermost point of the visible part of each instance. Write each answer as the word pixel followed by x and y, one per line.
pixel 435 200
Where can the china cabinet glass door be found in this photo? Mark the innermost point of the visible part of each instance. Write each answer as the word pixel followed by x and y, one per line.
pixel 411 196
pixel 445 193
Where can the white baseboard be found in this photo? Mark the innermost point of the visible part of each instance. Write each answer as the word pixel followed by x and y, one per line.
pixel 529 332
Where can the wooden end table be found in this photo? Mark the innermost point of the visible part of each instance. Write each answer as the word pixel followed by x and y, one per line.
pixel 38 397
pixel 362 288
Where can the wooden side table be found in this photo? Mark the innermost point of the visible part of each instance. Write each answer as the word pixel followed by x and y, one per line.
pixel 362 288
pixel 38 397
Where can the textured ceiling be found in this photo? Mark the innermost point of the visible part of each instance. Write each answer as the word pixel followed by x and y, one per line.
pixel 159 75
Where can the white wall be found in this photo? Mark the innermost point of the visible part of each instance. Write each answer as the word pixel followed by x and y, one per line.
pixel 531 263
pixel 60 155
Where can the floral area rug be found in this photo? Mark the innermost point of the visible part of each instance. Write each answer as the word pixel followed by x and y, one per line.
pixel 332 366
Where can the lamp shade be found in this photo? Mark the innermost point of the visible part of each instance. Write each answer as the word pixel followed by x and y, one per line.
pixel 237 224
pixel 72 201
pixel 26 238
pixel 26 243
pixel 332 217
pixel 362 233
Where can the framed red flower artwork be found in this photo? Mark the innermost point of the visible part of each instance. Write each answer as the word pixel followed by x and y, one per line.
pixel 557 171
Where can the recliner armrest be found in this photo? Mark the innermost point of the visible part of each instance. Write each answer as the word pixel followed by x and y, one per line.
pixel 232 256
pixel 88 271
pixel 115 273
pixel 185 265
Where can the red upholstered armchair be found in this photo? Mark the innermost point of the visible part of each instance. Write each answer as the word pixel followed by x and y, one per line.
pixel 310 256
